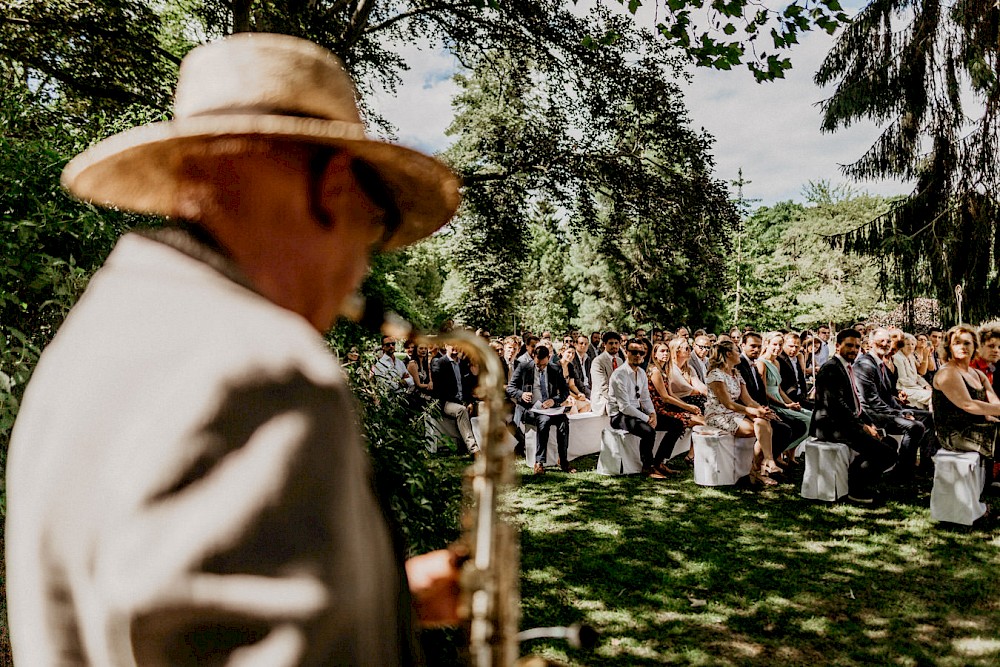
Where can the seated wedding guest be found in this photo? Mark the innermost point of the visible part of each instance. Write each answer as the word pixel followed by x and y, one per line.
pixel 784 430
pixel 876 385
pixel 668 407
pixel 351 358
pixel 452 391
pixel 934 335
pixel 988 355
pixel 582 363
pixel 648 351
pixel 665 402
pixel 682 332
pixel 811 347
pixel 577 400
pixel 793 371
pixel 631 409
pixel 511 349
pixel 699 356
pixel 419 367
pixel 838 416
pixel 527 352
pixel 966 408
pixel 606 363
pixel 730 409
pixel 922 355
pixel 791 412
pixel 391 372
pixel 683 381
pixel 595 347
pixel 539 384
pixel 908 380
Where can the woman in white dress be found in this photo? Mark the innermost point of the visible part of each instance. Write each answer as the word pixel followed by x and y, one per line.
pixel 918 390
pixel 729 408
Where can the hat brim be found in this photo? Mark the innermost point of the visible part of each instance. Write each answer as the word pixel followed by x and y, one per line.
pixel 138 170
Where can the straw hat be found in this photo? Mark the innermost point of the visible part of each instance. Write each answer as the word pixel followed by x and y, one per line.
pixel 260 85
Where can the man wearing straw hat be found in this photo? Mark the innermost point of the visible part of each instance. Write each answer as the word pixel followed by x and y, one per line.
pixel 186 482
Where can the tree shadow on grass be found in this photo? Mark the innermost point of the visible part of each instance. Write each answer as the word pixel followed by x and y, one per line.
pixel 673 573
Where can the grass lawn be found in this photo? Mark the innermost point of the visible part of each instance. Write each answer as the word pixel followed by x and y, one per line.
pixel 673 573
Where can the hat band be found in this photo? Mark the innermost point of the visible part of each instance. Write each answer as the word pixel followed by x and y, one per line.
pixel 265 111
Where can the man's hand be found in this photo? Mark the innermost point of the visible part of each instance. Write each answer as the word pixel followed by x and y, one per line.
pixel 548 404
pixel 870 430
pixel 433 579
pixel 526 397
pixel 652 419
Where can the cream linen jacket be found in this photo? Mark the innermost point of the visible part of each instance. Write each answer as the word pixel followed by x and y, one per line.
pixel 186 484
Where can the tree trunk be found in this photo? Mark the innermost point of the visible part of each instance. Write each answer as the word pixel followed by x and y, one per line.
pixel 241 15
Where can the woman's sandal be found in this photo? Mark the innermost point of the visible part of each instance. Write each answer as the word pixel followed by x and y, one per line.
pixel 758 478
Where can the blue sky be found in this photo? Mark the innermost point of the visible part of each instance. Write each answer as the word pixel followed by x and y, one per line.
pixel 770 130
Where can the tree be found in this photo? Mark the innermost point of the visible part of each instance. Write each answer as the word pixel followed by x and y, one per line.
pixel 910 65
pixel 791 276
pixel 545 300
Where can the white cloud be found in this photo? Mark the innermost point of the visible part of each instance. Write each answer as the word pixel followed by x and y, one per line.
pixel 771 130
pixel 421 110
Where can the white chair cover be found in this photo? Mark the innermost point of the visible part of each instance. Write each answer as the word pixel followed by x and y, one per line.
pixel 619 453
pixel 958 483
pixel 719 458
pixel 825 477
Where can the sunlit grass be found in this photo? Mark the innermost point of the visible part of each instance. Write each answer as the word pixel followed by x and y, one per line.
pixel 672 573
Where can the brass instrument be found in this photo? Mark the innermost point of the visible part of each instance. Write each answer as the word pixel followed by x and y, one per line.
pixel 490 576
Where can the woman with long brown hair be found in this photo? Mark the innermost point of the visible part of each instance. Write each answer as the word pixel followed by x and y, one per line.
pixel 730 409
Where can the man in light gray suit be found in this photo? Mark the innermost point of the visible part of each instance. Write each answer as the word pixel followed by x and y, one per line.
pixel 600 372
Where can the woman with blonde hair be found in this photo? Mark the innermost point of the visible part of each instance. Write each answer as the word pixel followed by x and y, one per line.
pixel 908 380
pixel 667 405
pixel 767 366
pixel 682 381
pixel 966 409
pixel 731 409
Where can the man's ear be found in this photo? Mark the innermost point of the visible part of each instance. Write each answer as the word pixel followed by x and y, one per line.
pixel 330 186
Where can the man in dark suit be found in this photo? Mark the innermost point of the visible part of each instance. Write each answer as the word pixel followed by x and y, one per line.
pixel 793 377
pixel 452 390
pixel 838 416
pixel 784 432
pixel 877 392
pixel 582 362
pixel 536 383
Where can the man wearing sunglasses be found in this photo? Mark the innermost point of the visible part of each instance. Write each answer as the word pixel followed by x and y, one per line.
pixel 632 410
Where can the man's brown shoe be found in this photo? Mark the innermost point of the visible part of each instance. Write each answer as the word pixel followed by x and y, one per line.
pixel 652 473
pixel 663 469
pixel 539 469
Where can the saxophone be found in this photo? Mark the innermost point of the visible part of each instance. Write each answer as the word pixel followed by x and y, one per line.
pixel 490 576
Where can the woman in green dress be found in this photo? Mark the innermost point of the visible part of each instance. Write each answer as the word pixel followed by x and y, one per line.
pixel 767 366
pixel 965 406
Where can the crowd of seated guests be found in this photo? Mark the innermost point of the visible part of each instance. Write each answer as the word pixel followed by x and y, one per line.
pixel 893 396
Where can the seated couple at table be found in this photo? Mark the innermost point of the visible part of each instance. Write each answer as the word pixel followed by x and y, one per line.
pixel 537 385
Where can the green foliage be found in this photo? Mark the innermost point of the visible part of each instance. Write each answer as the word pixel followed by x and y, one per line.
pixel 50 242
pixel 422 491
pixel 545 298
pixel 594 289
pixel 789 274
pixel 927 73
pixel 602 136
pixel 705 30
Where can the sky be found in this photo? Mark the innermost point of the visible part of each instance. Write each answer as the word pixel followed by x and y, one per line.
pixel 769 130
